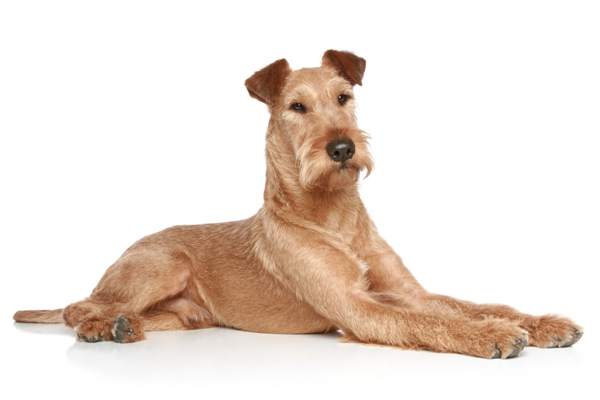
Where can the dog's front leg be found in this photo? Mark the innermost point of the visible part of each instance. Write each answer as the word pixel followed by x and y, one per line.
pixel 333 282
pixel 391 281
pixel 545 331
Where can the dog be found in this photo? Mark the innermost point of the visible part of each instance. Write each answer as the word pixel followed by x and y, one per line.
pixel 311 260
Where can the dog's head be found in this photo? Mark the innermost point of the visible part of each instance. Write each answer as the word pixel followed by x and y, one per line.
pixel 313 120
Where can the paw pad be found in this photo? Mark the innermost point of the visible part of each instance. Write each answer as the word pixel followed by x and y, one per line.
pixel 121 329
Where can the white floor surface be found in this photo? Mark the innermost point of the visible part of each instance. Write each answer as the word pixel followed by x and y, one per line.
pixel 222 363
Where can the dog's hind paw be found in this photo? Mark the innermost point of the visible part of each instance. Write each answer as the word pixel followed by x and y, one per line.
pixel 91 339
pixel 126 330
pixel 92 330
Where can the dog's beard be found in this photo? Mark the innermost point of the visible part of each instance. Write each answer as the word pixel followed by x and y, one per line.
pixel 329 176
pixel 342 176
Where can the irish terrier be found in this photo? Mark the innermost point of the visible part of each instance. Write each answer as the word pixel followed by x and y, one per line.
pixel 311 259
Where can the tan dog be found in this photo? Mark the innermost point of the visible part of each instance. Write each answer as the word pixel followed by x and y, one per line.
pixel 311 260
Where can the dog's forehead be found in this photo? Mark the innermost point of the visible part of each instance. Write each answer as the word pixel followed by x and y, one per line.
pixel 314 82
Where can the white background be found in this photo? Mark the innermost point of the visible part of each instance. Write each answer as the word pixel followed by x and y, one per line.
pixel 120 118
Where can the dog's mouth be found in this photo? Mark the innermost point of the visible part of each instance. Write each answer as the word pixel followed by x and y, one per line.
pixel 348 168
pixel 337 176
pixel 346 174
pixel 350 165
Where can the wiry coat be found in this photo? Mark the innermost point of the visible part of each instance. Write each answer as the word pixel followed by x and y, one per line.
pixel 311 259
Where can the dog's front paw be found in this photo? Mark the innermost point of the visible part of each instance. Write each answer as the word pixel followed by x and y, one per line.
pixel 511 349
pixel 508 341
pixel 553 331
pixel 488 338
pixel 495 338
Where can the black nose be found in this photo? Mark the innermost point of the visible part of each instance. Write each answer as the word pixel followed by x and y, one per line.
pixel 341 150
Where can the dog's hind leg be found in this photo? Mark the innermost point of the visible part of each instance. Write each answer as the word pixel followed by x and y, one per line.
pixel 184 315
pixel 94 321
pixel 99 324
pixel 137 294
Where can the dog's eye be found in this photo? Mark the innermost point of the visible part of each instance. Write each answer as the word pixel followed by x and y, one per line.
pixel 298 107
pixel 342 99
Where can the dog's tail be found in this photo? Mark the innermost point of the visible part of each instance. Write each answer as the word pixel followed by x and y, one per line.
pixel 39 316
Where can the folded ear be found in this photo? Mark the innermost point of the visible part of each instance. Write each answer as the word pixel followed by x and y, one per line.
pixel 265 85
pixel 348 65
